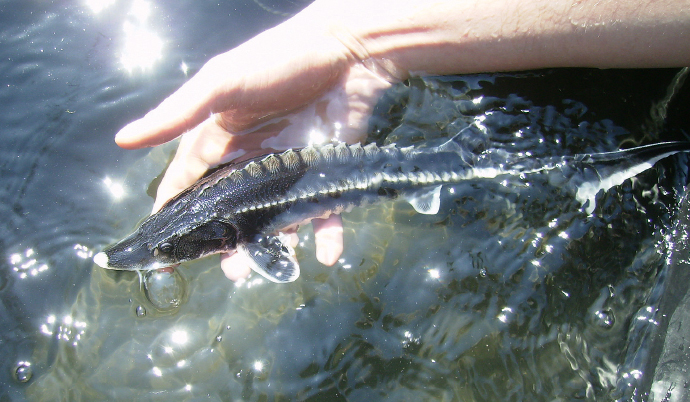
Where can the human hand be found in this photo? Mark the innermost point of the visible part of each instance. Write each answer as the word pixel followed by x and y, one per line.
pixel 276 91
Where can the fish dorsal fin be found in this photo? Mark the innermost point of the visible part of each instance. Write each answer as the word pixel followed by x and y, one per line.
pixel 272 258
pixel 426 201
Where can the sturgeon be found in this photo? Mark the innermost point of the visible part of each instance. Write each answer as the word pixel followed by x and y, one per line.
pixel 242 206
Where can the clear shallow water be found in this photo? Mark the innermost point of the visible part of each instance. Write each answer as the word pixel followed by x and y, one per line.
pixel 512 292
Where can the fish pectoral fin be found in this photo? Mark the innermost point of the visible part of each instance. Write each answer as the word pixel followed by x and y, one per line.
pixel 272 258
pixel 426 201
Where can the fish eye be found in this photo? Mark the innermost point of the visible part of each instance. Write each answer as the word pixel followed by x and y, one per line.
pixel 166 248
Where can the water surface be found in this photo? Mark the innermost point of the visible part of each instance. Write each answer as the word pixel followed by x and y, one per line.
pixel 512 292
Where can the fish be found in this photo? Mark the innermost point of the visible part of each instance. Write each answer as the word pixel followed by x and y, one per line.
pixel 244 206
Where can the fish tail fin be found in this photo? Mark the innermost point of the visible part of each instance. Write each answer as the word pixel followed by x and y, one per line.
pixel 609 169
pixel 646 153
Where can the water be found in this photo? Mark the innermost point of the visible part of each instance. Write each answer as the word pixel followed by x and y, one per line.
pixel 512 292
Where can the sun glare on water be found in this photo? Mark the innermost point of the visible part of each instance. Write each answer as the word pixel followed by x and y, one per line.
pixel 142 47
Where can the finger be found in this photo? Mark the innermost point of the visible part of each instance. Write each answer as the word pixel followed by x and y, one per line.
pixel 235 266
pixel 294 238
pixel 201 148
pixel 190 105
pixel 328 237
pixel 181 173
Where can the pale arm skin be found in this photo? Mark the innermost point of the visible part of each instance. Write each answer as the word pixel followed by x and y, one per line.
pixel 324 69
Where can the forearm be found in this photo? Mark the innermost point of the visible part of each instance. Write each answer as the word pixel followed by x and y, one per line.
pixel 420 37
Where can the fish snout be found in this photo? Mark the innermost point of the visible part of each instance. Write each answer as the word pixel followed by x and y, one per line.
pixel 130 254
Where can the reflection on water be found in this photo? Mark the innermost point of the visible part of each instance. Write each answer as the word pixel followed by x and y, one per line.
pixel 512 292
pixel 99 5
pixel 117 190
pixel 66 329
pixel 24 264
pixel 142 46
